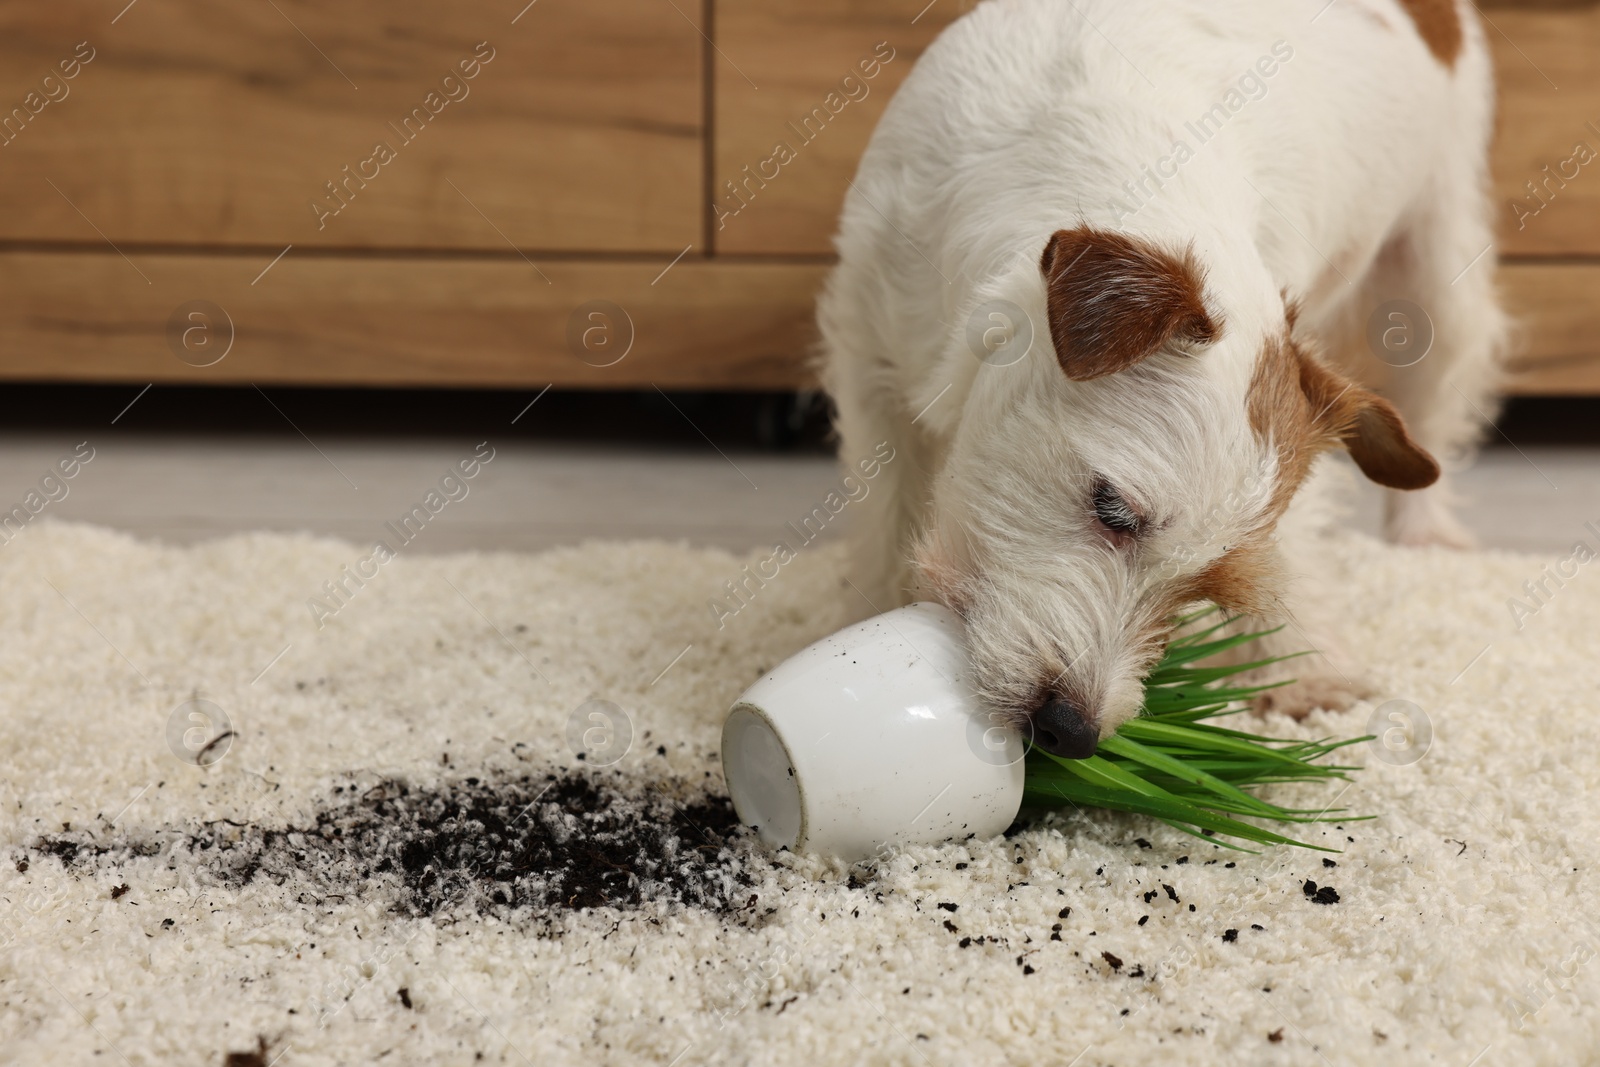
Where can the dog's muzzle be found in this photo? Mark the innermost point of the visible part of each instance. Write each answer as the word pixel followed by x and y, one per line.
pixel 1062 729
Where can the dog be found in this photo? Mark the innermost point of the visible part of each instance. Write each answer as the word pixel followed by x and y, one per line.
pixel 1109 278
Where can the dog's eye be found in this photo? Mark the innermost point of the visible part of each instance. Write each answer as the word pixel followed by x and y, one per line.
pixel 1114 513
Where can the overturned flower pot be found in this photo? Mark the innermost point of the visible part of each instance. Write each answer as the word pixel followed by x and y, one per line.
pixel 872 737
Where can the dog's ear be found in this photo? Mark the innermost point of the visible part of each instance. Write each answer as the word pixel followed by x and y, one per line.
pixel 1368 426
pixel 1114 300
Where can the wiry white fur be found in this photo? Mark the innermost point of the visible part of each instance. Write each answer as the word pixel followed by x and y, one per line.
pixel 1358 177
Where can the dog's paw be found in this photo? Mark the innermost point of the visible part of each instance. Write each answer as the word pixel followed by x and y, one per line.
pixel 1449 534
pixel 1424 524
pixel 1332 692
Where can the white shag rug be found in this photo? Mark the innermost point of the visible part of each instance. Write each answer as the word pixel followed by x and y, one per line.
pixel 362 871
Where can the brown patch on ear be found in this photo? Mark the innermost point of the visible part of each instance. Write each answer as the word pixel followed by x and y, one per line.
pixel 1305 408
pixel 1114 300
pixel 1280 411
pixel 1439 25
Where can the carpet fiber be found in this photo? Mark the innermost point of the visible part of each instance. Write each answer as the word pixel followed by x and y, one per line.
pixel 396 853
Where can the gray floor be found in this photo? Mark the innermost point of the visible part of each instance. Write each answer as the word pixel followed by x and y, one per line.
pixel 532 496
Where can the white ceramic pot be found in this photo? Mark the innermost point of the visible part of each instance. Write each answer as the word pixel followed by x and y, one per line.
pixel 869 738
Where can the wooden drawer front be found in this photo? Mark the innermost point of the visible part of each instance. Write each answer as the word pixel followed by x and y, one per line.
pixel 798 56
pixel 1547 60
pixel 406 320
pixel 220 124
pixel 1557 309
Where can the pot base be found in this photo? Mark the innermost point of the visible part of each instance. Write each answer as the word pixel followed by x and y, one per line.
pixel 761 778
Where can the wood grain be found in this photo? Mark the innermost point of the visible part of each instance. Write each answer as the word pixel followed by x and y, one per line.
pixel 208 124
pixel 446 321
pixel 392 320
pixel 1557 308
pixel 1549 81
pixel 797 54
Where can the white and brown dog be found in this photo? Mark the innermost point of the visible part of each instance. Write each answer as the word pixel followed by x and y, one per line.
pixel 1106 275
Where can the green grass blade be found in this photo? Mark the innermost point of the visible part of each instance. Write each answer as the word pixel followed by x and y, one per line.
pixel 1194 775
pixel 1181 770
pixel 1177 813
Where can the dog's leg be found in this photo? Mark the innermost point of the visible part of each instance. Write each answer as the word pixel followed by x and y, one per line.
pixel 1325 676
pixel 883 523
pixel 1442 264
pixel 886 520
pixel 1321 673
pixel 1446 397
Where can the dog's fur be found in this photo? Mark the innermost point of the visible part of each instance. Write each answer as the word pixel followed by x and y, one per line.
pixel 1198 325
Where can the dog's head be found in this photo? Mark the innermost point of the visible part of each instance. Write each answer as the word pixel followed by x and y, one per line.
pixel 1086 499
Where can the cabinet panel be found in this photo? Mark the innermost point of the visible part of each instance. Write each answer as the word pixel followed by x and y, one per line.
pixel 576 126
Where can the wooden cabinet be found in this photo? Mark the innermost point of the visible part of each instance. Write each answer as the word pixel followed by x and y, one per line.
pixel 1547 150
pixel 391 193
pixel 823 72
pixel 405 320
pixel 365 124
pixel 1558 310
pixel 1547 186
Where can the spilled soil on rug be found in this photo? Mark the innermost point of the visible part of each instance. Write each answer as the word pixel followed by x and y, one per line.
pixel 514 847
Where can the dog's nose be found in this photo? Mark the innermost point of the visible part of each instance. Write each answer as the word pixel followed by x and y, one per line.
pixel 1062 729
